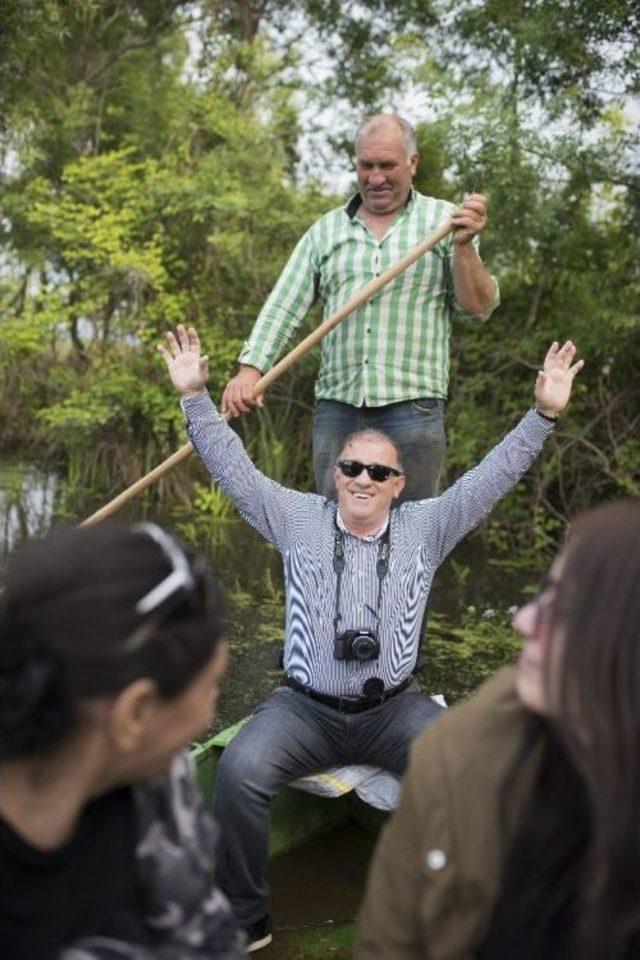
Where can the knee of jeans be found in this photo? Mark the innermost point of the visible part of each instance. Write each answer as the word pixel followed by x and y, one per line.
pixel 239 766
pixel 244 767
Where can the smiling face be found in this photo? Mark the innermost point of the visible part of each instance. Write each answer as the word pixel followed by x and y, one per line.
pixel 364 503
pixel 384 168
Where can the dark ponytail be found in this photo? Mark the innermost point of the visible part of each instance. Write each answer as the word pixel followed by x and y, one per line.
pixel 34 703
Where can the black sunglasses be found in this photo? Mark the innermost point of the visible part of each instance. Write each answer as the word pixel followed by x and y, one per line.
pixel 377 471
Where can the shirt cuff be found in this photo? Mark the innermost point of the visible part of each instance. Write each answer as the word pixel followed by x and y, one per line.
pixel 254 357
pixel 197 404
pixel 541 426
pixel 466 314
pixel 552 420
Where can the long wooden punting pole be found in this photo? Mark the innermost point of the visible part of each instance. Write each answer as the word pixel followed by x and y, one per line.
pixel 357 300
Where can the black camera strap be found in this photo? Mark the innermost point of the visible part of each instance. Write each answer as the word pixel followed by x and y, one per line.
pixel 382 567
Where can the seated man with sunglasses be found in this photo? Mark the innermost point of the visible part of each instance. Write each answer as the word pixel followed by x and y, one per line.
pixel 357 578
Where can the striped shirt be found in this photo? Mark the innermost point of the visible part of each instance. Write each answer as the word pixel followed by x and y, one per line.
pixel 396 346
pixel 302 527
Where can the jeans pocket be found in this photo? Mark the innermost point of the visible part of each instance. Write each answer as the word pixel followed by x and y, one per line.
pixel 427 404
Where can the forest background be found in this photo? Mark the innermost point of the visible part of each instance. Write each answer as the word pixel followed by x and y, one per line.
pixel 160 159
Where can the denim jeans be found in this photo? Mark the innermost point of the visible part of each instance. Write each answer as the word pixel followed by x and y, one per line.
pixel 288 737
pixel 417 426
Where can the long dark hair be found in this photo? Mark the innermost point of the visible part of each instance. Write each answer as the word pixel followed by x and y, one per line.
pixel 574 862
pixel 72 627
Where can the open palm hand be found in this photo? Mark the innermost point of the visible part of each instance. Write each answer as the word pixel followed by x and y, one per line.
pixel 555 380
pixel 187 368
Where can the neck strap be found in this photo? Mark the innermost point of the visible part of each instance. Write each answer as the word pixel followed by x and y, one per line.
pixel 382 567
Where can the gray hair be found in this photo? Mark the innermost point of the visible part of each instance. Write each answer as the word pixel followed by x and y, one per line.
pixel 375 436
pixel 380 120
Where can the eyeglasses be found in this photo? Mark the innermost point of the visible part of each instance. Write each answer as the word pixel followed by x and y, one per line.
pixel 178 588
pixel 377 471
pixel 544 605
pixel 541 603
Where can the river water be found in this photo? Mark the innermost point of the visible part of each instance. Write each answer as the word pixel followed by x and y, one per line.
pixel 468 635
pixel 27 498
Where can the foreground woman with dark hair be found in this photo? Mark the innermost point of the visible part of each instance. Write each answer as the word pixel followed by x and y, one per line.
pixel 110 657
pixel 517 836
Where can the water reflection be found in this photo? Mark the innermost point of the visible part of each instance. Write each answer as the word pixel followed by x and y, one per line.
pixel 27 499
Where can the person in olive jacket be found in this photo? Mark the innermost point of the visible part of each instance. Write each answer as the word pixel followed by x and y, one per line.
pixel 517 831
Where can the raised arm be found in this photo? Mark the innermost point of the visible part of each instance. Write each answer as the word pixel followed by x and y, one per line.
pixel 464 505
pixel 555 381
pixel 265 504
pixel 188 368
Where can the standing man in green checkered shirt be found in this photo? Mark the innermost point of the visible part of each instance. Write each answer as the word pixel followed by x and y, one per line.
pixel 386 366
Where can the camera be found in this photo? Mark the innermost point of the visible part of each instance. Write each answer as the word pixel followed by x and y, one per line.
pixel 356 645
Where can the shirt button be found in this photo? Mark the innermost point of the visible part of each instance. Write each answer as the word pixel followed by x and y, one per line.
pixel 368 329
pixel 436 859
pixel 366 360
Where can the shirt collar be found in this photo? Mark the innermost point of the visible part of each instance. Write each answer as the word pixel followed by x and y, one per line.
pixel 353 205
pixel 371 538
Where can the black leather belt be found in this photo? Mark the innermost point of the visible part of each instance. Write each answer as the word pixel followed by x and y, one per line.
pixel 346 704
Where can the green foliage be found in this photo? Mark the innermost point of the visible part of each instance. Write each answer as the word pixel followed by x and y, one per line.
pixel 210 503
pixel 153 175
pixel 461 655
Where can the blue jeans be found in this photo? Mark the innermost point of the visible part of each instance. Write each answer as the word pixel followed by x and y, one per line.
pixel 417 426
pixel 290 736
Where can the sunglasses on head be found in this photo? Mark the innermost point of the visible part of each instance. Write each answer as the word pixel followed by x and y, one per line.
pixel 377 471
pixel 185 587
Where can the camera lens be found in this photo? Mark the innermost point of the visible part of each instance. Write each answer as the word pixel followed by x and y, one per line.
pixel 364 647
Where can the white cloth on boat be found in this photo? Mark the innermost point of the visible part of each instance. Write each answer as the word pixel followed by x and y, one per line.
pixel 375 786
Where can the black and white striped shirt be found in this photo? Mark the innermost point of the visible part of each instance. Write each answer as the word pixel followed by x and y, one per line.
pixel 302 527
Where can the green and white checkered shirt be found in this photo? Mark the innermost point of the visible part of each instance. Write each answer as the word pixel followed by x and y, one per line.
pixel 396 346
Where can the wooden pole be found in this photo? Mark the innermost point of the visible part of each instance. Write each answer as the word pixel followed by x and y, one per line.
pixel 357 300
